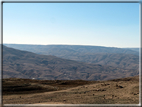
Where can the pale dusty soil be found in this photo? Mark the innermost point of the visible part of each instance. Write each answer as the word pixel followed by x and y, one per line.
pixel 108 92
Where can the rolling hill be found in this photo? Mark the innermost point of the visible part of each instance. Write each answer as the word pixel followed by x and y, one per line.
pixel 23 64
pixel 110 56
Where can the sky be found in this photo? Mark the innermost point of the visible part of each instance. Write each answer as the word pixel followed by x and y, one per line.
pixel 96 24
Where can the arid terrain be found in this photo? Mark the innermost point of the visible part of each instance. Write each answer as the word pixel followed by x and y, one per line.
pixel 24 64
pixel 27 91
pixel 85 75
pixel 125 58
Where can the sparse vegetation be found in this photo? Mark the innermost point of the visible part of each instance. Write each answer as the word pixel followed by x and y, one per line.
pixel 71 91
pixel 23 64
pixel 46 79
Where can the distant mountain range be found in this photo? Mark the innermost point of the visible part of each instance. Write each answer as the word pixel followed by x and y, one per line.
pixel 24 64
pixel 62 50
pixel 134 49
pixel 110 56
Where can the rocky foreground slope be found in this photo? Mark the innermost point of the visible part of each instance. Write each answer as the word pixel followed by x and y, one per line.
pixel 26 91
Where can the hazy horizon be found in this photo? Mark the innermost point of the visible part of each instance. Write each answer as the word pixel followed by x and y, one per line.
pixel 67 44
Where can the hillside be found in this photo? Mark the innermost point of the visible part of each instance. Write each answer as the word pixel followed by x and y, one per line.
pixel 23 64
pixel 125 61
pixel 110 56
pixel 134 49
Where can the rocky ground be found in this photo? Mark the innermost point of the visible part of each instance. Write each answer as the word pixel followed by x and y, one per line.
pixel 25 91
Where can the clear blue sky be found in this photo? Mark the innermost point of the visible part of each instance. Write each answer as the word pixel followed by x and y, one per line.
pixel 98 24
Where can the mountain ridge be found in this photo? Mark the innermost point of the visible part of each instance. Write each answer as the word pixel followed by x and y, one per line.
pixel 79 48
pixel 87 54
pixel 23 64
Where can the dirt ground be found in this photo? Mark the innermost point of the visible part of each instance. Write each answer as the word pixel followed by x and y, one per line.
pixel 119 91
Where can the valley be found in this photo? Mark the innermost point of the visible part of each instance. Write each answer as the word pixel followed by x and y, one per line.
pixel 109 77
pixel 126 58
pixel 24 64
